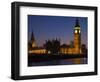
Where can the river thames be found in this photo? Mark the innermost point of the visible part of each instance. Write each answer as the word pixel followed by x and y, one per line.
pixel 72 61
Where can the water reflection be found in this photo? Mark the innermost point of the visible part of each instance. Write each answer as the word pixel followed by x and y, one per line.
pixel 59 62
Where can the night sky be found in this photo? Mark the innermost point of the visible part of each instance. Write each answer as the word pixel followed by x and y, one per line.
pixel 52 27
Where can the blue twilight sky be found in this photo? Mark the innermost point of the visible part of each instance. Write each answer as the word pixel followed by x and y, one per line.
pixel 52 27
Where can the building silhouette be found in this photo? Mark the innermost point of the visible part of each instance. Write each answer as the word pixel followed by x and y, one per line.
pixel 73 48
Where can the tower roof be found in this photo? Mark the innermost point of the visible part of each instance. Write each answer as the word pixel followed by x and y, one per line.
pixel 77 23
pixel 32 36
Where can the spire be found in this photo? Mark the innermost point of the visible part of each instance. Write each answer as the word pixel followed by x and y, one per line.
pixel 32 36
pixel 33 40
pixel 77 23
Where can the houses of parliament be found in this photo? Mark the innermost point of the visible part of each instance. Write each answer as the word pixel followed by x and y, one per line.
pixel 76 48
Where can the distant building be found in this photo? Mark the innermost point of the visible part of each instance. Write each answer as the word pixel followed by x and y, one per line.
pixel 37 50
pixel 32 48
pixel 73 48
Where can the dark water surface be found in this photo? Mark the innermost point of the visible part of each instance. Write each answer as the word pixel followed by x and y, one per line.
pixel 59 62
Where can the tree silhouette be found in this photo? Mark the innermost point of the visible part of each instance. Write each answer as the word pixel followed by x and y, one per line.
pixel 52 46
pixel 29 45
pixel 55 46
pixel 84 49
pixel 64 46
pixel 48 46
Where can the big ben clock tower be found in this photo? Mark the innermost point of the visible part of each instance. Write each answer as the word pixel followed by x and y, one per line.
pixel 77 38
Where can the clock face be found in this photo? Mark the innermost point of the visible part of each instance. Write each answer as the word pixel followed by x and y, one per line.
pixel 75 31
pixel 79 31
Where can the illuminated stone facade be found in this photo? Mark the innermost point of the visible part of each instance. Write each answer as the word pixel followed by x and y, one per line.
pixel 67 50
pixel 38 51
